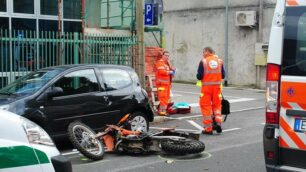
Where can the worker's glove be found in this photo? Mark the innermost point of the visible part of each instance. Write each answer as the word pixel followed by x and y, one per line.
pixel 172 72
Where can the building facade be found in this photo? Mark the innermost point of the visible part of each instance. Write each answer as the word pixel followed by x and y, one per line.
pixel 40 15
pixel 36 34
pixel 189 26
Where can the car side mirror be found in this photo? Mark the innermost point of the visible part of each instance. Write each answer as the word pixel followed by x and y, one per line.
pixel 55 91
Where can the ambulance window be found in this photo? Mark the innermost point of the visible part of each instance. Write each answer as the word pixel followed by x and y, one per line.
pixel 294 50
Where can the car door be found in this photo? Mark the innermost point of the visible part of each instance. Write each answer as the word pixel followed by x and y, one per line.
pixel 120 91
pixel 292 118
pixel 83 99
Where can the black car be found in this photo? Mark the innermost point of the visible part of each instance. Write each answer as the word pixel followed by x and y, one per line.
pixel 94 94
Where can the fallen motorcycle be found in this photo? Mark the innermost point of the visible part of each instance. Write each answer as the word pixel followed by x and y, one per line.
pixel 118 139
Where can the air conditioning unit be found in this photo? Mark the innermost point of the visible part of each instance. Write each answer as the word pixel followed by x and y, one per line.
pixel 245 18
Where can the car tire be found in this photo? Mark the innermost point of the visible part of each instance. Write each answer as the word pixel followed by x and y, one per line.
pixel 138 122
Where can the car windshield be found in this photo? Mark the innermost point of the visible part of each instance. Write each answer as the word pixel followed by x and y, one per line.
pixel 30 83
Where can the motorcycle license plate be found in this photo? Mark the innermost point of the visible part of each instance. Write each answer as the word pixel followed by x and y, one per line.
pixel 300 125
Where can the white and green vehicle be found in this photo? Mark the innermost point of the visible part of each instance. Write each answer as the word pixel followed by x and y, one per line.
pixel 24 146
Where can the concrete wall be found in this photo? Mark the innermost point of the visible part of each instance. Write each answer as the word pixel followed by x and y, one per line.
pixel 191 25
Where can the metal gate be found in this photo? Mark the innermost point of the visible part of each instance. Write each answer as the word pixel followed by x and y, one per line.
pixel 24 51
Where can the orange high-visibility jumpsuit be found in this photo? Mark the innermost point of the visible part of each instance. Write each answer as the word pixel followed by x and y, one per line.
pixel 210 99
pixel 163 83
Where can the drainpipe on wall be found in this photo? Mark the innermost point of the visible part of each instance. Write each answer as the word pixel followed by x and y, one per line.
pixel 260 20
pixel 226 44
pixel 259 39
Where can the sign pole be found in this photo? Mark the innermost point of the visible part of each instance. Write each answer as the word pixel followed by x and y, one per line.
pixel 140 62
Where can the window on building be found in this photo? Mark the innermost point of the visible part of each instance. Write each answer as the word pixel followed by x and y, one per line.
pixel 4 23
pixel 2 5
pixel 48 25
pixel 3 81
pixel 25 54
pixel 72 9
pixel 48 7
pixel 116 79
pixel 23 6
pixel 4 49
pixel 24 24
pixel 117 13
pixel 72 26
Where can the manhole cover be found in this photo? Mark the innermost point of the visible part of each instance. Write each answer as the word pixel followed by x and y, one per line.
pixel 200 156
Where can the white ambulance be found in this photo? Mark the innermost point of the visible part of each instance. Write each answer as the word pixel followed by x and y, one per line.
pixel 284 136
pixel 24 146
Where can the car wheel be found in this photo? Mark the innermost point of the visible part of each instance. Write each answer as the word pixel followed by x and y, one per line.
pixel 139 122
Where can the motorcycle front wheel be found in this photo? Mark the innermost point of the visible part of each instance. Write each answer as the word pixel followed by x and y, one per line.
pixel 82 138
pixel 182 147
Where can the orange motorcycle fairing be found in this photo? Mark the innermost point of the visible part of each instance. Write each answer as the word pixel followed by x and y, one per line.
pixel 109 142
pixel 125 132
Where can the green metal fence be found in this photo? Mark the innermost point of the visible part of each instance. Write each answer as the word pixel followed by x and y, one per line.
pixel 25 51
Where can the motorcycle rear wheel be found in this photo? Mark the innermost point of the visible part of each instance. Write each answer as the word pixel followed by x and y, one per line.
pixel 82 138
pixel 182 147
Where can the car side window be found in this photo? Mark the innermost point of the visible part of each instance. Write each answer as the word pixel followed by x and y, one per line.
pixel 115 79
pixel 78 82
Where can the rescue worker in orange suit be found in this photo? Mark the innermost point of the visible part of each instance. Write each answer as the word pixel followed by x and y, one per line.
pixel 211 72
pixel 163 77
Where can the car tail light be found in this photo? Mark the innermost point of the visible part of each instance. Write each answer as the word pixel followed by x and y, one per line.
pixel 272 94
pixel 270 155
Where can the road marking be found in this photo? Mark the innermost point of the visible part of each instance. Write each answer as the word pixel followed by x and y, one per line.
pixel 201 128
pixel 232 129
pixel 230 100
pixel 233 146
pixel 196 116
pixel 93 162
pixel 186 92
pixel 181 118
pixel 205 155
pixel 176 95
pixel 194 104
pixel 138 166
pixel 247 109
pixel 74 151
pixel 177 129
pixel 189 130
pixel 240 100
pixel 196 125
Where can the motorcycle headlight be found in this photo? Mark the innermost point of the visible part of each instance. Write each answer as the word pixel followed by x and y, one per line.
pixel 36 134
pixel 4 107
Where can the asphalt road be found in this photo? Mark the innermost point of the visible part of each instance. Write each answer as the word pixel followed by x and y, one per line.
pixel 238 149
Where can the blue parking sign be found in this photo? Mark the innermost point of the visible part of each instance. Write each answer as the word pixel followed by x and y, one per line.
pixel 149 13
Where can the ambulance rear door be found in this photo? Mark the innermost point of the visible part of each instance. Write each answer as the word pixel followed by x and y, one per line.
pixel 292 119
